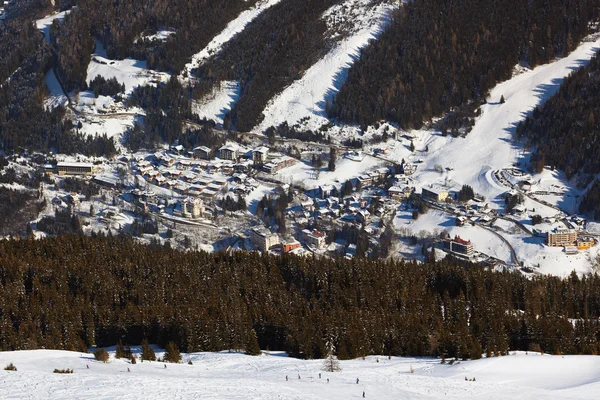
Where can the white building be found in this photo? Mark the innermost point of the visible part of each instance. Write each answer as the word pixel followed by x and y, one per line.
pixel 263 239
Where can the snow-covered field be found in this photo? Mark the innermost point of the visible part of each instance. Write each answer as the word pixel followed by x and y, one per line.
pixel 128 71
pixel 305 174
pixel 237 376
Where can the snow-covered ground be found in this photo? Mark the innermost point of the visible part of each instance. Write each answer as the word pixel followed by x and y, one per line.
pixel 233 28
pixel 56 96
pixel 161 35
pixel 490 145
pixel 128 71
pixel 303 173
pixel 306 97
pixel 237 376
pixel 44 23
pixel 219 102
pixel 433 221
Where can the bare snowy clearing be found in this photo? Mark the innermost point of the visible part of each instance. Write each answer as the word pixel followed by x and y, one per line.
pixel 237 376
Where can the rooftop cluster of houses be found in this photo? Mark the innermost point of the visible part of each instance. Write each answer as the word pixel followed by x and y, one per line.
pixel 195 178
pixel 260 157
pixel 263 239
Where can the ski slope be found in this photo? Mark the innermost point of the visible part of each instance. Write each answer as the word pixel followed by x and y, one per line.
pixel 233 28
pixel 490 146
pixel 236 376
pixel 307 97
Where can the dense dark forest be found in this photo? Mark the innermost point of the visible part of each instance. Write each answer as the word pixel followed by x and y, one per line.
pixel 72 292
pixel 168 110
pixel 25 57
pixel 440 54
pixel 590 203
pixel 564 131
pixel 273 51
pixel 120 27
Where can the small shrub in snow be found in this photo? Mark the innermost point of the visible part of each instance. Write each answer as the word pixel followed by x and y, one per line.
pixel 10 367
pixel 101 355
pixel 63 371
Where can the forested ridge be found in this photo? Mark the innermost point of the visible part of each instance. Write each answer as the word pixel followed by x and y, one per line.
pixel 440 54
pixel 121 26
pixel 564 132
pixel 72 292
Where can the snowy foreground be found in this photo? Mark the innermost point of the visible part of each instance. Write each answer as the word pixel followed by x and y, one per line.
pixel 237 376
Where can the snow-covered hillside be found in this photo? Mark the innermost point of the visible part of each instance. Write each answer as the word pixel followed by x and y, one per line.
pixel 232 29
pixel 237 376
pixel 361 21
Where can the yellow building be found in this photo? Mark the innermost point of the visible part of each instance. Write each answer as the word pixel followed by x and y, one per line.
pixel 585 243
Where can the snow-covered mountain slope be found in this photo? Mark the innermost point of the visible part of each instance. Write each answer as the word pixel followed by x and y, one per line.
pixel 361 21
pixel 237 376
pixel 490 146
pixel 232 29
pixel 219 102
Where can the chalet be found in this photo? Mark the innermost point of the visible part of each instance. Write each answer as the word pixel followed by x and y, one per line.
pixel 202 153
pixel 308 205
pixel 259 155
pixel 181 187
pixel 104 180
pixel 365 180
pixel 278 164
pixel 190 176
pixel 314 238
pixel 208 193
pixel 326 191
pixel 229 152
pixel 160 180
pixel 363 216
pixel 172 173
pixel 177 149
pixel 435 194
pixel 239 178
pixel 220 180
pixel 399 193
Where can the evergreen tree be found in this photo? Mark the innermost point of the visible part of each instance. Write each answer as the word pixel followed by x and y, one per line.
pixel 331 363
pixel 332 159
pixel 172 354
pixel 147 351
pixel 252 347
